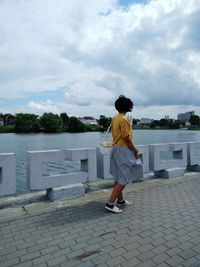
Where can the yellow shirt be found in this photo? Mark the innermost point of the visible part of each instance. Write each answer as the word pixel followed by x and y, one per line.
pixel 121 127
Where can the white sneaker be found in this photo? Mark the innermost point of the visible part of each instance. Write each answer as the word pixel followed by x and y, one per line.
pixel 112 208
pixel 124 202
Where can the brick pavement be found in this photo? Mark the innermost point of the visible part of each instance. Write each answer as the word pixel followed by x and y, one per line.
pixel 162 228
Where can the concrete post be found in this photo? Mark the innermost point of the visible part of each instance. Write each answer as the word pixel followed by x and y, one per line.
pixel 193 156
pixel 7 174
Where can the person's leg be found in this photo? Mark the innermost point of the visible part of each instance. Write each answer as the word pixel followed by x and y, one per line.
pixel 120 195
pixel 120 199
pixel 116 193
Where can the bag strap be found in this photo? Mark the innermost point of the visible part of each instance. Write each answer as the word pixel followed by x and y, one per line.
pixel 103 138
pixel 115 141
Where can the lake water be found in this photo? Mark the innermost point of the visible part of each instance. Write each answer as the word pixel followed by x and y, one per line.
pixel 21 143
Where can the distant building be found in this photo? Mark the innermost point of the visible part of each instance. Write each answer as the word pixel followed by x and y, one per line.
pixel 87 120
pixel 1 122
pixel 185 117
pixel 144 121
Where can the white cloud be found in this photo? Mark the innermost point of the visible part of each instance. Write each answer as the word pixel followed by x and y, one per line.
pixel 98 50
pixel 41 107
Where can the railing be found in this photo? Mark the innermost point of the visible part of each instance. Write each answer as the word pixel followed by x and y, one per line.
pixel 165 160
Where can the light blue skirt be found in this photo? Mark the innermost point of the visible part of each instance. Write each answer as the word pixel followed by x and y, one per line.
pixel 124 165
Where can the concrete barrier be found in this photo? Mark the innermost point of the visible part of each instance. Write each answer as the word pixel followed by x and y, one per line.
pixel 103 163
pixel 144 155
pixel 37 180
pixel 165 160
pixel 7 174
pixel 193 156
pixel 87 156
pixel 171 164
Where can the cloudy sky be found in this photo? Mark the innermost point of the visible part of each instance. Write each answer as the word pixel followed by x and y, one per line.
pixel 79 56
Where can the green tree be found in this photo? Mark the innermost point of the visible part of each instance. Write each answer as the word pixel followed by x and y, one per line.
pixel 9 119
pixel 152 125
pixel 65 120
pixel 174 124
pixel 50 122
pixel 104 121
pixel 163 123
pixel 195 120
pixel 26 123
pixel 75 125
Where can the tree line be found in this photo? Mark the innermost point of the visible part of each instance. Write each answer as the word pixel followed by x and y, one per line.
pixel 54 123
pixel 49 123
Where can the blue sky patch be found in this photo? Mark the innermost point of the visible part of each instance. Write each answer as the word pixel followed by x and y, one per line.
pixel 55 96
pixel 129 2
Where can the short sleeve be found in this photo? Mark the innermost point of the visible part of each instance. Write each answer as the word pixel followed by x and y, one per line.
pixel 124 127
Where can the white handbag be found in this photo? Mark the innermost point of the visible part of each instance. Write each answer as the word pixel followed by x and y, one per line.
pixel 106 144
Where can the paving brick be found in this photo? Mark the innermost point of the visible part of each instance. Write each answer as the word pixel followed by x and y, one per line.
pixel 30 256
pixel 173 251
pixel 186 245
pixel 12 262
pixel 42 259
pixel 187 254
pixel 133 262
pixel 114 261
pixel 78 246
pixel 162 257
pixel 131 254
pixel 71 263
pixel 159 249
pixel 75 254
pixel 101 258
pixel 22 245
pixel 16 254
pixel 101 265
pixel 162 229
pixel 67 244
pixel 195 240
pixel 172 243
pixel 196 248
pixel 145 256
pixel 117 252
pixel 175 260
pixel 184 238
pixel 158 242
pixel 148 263
pixel 42 265
pixel 9 250
pixel 36 248
pixel 61 252
pixel 197 256
pixel 25 264
pixel 145 248
pixel 170 237
pixel 58 260
pixel 191 263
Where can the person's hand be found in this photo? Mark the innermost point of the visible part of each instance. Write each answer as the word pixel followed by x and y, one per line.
pixel 137 155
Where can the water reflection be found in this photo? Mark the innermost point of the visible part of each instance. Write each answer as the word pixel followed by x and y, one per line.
pixel 186 136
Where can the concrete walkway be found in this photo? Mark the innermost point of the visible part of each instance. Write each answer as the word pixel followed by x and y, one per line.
pixel 162 228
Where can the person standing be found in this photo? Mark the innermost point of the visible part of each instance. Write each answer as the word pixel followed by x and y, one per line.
pixel 123 155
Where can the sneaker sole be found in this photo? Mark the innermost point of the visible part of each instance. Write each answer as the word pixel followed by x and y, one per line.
pixel 123 205
pixel 113 210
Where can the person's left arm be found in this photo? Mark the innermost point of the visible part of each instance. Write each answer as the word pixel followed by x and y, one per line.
pixel 125 132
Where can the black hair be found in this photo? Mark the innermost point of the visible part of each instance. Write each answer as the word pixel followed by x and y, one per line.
pixel 123 104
